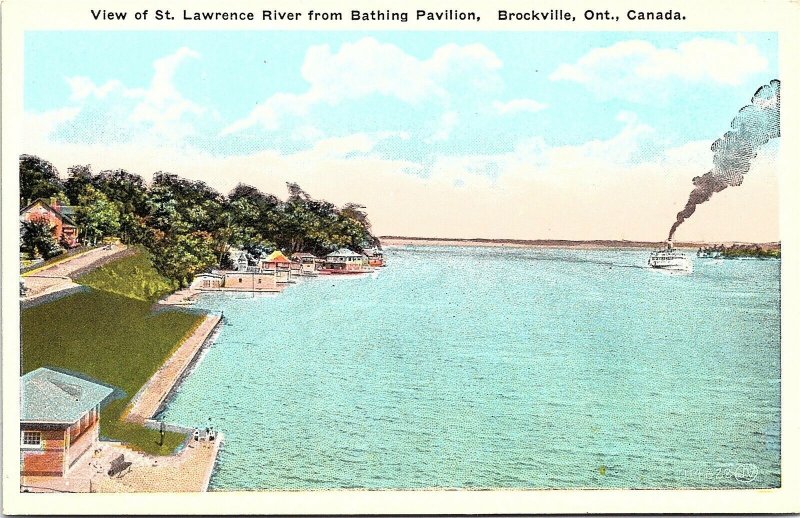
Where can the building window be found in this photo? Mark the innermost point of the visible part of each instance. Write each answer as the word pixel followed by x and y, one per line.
pixel 31 439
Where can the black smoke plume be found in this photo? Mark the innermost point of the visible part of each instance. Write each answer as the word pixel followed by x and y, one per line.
pixel 754 125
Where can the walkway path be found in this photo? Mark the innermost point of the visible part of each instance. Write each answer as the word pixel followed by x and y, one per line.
pixel 148 400
pixel 59 276
pixel 187 471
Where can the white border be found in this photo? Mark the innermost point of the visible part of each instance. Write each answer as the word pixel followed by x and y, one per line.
pixel 782 16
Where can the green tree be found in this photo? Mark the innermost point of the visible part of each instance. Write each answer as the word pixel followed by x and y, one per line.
pixel 133 229
pixel 361 230
pixel 194 202
pixel 126 189
pixel 38 178
pixel 255 218
pixel 162 208
pixel 182 256
pixel 36 239
pixel 79 177
pixel 180 220
pixel 97 216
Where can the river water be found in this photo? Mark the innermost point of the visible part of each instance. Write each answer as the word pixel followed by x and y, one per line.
pixel 498 368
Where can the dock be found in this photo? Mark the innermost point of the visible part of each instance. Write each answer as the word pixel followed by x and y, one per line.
pixel 188 471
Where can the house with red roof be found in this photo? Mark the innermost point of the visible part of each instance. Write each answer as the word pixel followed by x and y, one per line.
pixel 275 261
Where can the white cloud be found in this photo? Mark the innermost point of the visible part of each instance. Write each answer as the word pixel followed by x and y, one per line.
pixel 38 125
pixel 356 143
pixel 626 147
pixel 533 157
pixel 592 190
pixel 82 88
pixel 157 113
pixel 163 105
pixel 517 106
pixel 447 122
pixel 269 113
pixel 367 67
pixel 635 69
pixel 343 146
pixel 307 133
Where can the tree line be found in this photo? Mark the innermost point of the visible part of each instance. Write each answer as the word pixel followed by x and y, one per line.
pixel 187 226
pixel 741 250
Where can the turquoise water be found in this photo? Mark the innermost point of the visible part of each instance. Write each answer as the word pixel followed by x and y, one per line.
pixel 498 368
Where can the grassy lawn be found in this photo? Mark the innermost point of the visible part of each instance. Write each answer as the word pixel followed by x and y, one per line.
pixel 114 339
pixel 132 277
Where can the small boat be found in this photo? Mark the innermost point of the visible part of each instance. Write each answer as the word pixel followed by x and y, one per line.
pixel 709 253
pixel 669 259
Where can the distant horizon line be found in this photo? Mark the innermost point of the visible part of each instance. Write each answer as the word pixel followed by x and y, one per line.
pixel 575 242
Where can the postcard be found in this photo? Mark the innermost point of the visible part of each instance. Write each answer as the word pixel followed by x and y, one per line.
pixel 417 258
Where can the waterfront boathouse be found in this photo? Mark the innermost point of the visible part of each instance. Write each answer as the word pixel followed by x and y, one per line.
pixel 344 259
pixel 307 262
pixel 208 280
pixel 250 281
pixel 275 261
pixel 59 420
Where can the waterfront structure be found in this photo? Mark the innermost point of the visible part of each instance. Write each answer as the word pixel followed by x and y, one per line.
pixel 344 259
pixel 374 257
pixel 59 421
pixel 275 261
pixel 250 281
pixel 241 262
pixel 58 217
pixel 307 262
pixel 208 280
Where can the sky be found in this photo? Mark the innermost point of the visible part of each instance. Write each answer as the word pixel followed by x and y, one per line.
pixel 538 135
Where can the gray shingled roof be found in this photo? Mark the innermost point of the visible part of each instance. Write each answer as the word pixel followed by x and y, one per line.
pixel 67 210
pixel 48 396
pixel 343 252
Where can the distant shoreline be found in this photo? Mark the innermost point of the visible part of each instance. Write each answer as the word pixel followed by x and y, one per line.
pixel 598 244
